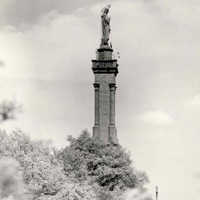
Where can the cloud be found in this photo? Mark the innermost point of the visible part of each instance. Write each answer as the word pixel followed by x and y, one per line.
pixel 156 117
pixel 49 49
pixel 197 175
pixel 2 64
pixel 194 101
pixel 28 12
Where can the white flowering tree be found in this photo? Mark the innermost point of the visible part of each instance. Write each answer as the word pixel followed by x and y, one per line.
pixel 43 172
pixel 11 180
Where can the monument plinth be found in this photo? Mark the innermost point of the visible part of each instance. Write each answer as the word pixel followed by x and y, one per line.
pixel 105 70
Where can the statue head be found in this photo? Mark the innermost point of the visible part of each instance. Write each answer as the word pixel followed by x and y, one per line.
pixel 106 9
pixel 108 6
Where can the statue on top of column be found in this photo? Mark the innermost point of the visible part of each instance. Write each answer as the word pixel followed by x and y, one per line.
pixel 105 22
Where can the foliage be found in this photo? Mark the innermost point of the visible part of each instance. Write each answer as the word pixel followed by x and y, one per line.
pixel 72 191
pixel 42 172
pixel 86 169
pixel 11 181
pixel 109 166
pixel 117 194
pixel 138 194
pixel 8 110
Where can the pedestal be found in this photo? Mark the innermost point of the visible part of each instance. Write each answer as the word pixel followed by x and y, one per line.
pixel 112 134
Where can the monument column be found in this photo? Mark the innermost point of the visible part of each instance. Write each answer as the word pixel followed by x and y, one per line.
pixel 105 69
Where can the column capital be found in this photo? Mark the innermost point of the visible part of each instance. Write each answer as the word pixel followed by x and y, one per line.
pixel 112 86
pixel 96 85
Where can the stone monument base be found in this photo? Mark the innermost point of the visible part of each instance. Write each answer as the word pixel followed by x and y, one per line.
pixel 96 133
pixel 112 134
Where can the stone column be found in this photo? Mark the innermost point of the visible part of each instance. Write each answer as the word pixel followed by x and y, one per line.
pixel 112 104
pixel 112 129
pixel 96 133
pixel 96 100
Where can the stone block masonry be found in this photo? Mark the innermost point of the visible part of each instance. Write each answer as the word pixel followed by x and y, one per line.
pixel 105 70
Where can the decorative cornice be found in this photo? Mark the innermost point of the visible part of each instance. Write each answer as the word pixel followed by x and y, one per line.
pixel 104 61
pixel 104 49
pixel 112 85
pixel 105 70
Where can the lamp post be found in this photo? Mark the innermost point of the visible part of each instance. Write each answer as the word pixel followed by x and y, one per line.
pixel 156 192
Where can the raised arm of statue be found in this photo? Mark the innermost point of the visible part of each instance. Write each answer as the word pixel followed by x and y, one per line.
pixel 105 22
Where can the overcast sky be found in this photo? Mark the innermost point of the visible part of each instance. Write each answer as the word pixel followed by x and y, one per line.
pixel 46 49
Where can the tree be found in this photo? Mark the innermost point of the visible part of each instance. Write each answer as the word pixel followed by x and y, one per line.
pixel 8 110
pixel 138 194
pixel 42 172
pixel 72 191
pixel 11 180
pixel 85 170
pixel 108 166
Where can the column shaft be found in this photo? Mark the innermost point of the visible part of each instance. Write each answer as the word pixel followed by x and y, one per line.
pixel 112 104
pixel 96 100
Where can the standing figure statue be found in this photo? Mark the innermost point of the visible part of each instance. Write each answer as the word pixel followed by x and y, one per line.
pixel 105 22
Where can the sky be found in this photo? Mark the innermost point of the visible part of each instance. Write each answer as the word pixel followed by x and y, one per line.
pixel 45 65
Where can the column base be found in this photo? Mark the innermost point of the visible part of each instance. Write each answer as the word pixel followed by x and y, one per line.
pixel 113 134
